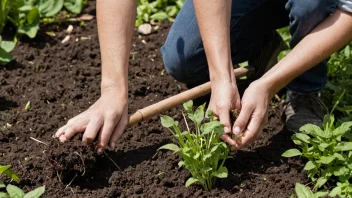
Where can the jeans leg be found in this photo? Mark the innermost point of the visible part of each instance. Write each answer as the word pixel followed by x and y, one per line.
pixel 304 16
pixel 251 22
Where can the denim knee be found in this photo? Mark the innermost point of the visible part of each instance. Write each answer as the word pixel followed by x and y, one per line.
pixel 307 14
pixel 184 64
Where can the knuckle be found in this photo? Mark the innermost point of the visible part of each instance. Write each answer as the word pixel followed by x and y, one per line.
pixel 241 123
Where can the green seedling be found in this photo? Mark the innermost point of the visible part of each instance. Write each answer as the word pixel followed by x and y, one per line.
pixel 328 150
pixel 201 148
pixel 11 191
pixel 25 16
pixel 303 192
pixel 157 10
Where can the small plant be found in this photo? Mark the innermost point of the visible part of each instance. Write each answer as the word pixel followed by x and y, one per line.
pixel 13 191
pixel 303 192
pixel 157 10
pixel 201 148
pixel 25 16
pixel 329 154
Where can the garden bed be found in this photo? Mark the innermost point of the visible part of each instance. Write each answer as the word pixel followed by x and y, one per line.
pixel 62 80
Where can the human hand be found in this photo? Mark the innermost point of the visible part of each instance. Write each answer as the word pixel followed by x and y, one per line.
pixel 253 115
pixel 107 118
pixel 224 98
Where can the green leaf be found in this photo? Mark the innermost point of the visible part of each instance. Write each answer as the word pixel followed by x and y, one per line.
pixel 196 156
pixel 312 129
pixel 2 185
pixel 4 168
pixel 303 137
pixel 74 6
pixel 345 127
pixel 339 156
pixel 36 193
pixel 160 16
pixel 326 159
pixel 188 106
pixel 210 126
pixel 4 195
pixel 181 163
pixel 291 153
pixel 335 191
pixel 347 51
pixel 339 171
pixel 199 114
pixel 167 121
pixel 5 57
pixel 190 181
pixel 309 166
pixel 49 8
pixel 221 173
pixel 29 30
pixel 209 114
pixel 171 147
pixel 320 182
pixel 205 157
pixel 7 45
pixel 9 172
pixel 14 191
pixel 344 146
pixel 320 194
pixel 33 16
pixel 328 122
pixel 302 191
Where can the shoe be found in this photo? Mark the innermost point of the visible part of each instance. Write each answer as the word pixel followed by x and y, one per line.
pixel 300 109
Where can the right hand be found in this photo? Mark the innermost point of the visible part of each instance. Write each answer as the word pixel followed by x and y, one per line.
pixel 107 118
pixel 225 98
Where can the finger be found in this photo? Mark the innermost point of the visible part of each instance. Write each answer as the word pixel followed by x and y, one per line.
pixel 74 128
pixel 118 131
pixel 224 116
pixel 242 120
pixel 105 134
pixel 60 131
pixel 92 130
pixel 254 129
pixel 229 140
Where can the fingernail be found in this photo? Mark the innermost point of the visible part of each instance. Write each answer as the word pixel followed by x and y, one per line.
pixel 226 129
pixel 62 139
pixel 237 130
pixel 100 151
pixel 112 145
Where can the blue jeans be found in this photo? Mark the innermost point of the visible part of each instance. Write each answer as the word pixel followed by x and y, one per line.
pixel 252 23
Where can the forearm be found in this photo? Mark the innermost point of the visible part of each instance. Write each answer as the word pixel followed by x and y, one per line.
pixel 116 19
pixel 328 37
pixel 213 18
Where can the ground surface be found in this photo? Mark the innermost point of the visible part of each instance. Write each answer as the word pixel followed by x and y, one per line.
pixel 62 80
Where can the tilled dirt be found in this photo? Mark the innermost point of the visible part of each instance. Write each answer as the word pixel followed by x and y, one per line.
pixel 62 80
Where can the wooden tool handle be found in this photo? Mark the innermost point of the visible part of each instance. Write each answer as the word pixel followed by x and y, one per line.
pixel 176 100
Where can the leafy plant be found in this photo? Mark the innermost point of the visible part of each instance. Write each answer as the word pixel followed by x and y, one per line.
pixel 328 150
pixel 303 192
pixel 157 10
pixel 25 16
pixel 201 149
pixel 13 191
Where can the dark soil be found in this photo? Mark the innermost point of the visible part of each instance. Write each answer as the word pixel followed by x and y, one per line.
pixel 62 80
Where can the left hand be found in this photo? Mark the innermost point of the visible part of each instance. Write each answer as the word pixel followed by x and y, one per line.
pixel 254 114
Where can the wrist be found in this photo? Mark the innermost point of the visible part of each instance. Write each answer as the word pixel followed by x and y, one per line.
pixel 269 85
pixel 114 87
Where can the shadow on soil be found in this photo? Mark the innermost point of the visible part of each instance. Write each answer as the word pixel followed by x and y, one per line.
pixel 104 167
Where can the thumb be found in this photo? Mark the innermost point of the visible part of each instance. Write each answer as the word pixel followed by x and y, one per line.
pixel 224 117
pixel 242 120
